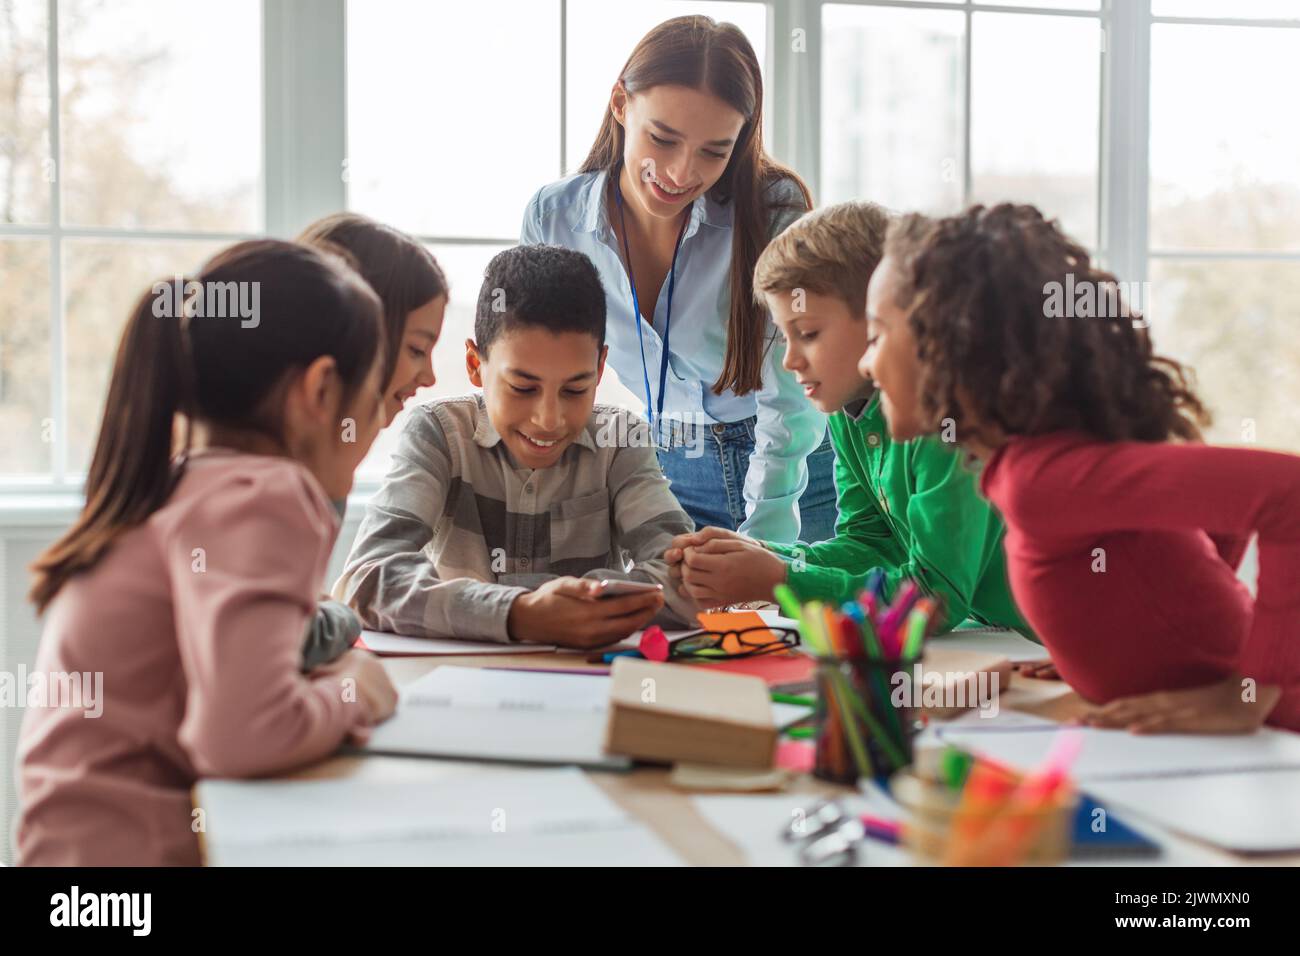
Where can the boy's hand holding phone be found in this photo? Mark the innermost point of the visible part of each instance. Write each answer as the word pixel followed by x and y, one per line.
pixel 582 613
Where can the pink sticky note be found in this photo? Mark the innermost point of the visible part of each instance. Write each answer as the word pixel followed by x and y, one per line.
pixel 654 644
pixel 797 755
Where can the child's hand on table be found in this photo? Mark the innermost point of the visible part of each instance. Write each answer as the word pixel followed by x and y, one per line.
pixel 568 612
pixel 1038 670
pixel 373 689
pixel 1213 709
pixel 718 567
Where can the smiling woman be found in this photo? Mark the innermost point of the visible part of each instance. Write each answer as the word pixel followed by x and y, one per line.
pixel 674 203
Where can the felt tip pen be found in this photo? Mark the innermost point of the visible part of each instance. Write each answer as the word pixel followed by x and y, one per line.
pixel 886 831
pixel 800 701
pixel 786 598
pixel 608 657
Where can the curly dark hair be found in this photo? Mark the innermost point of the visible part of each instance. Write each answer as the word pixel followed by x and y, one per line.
pixel 550 287
pixel 998 361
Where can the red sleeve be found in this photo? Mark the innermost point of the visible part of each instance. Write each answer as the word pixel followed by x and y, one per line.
pixel 1230 493
pixel 1231 547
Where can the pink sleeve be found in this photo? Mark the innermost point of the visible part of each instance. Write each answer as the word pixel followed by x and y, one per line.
pixel 1227 492
pixel 241 607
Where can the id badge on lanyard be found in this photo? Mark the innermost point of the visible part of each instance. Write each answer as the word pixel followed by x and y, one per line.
pixel 653 413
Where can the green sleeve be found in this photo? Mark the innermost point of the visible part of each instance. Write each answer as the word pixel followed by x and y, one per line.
pixel 955 533
pixel 834 570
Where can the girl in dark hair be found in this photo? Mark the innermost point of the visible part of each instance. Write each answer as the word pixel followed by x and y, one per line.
pixel 413 292
pixel 186 584
pixel 673 205
pixel 410 285
pixel 1123 530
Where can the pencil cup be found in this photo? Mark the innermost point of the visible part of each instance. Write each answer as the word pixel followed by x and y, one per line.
pixel 942 830
pixel 865 718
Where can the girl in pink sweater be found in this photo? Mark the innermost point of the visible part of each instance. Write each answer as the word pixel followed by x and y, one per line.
pixel 1123 530
pixel 187 582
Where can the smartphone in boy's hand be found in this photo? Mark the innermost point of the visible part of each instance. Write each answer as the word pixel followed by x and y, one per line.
pixel 609 588
pixel 578 613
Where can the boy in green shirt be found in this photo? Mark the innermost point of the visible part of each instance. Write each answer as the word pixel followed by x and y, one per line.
pixel 910 508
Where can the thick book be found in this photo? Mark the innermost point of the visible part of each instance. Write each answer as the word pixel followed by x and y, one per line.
pixel 671 713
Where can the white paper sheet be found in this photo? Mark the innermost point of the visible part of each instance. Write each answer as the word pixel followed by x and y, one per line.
pixel 1008 644
pixel 397 645
pixel 629 844
pixel 755 823
pixel 786 714
pixel 1246 812
pixel 478 817
pixel 1023 743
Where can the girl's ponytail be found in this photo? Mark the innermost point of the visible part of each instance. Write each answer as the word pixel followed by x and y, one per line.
pixel 130 472
pixel 216 350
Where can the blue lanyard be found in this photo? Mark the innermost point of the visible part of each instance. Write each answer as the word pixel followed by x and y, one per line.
pixel 636 311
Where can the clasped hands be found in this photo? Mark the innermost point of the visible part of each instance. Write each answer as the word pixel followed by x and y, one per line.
pixel 716 567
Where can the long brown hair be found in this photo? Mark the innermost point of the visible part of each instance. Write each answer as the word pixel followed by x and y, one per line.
pixel 222 370
pixel 999 359
pixel 699 53
pixel 402 272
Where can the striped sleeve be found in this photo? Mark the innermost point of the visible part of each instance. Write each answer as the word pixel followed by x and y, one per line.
pixel 646 517
pixel 388 578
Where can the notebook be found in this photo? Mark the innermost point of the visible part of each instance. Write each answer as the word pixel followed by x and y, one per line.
pixel 1097 834
pixel 517 716
pixel 513 715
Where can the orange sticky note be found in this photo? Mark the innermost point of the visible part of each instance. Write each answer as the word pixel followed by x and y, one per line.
pixel 735 621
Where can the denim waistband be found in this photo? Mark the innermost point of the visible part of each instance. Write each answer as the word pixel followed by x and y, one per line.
pixel 675 432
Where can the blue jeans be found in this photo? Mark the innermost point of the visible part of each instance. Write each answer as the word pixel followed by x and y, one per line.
pixel 708 478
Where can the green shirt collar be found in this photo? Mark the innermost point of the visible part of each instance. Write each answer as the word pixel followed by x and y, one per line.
pixel 862 408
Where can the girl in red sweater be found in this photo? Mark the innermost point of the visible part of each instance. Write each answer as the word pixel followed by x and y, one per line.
pixel 1123 530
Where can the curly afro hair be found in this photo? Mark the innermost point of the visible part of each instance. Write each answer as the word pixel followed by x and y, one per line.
pixel 998 360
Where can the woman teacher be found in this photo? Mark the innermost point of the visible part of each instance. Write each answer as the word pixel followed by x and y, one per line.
pixel 673 204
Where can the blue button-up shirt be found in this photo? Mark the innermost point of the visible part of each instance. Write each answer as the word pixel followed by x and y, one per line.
pixel 572 213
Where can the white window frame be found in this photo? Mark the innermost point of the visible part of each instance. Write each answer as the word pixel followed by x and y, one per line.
pixel 28 498
pixel 305 140
pixel 1214 255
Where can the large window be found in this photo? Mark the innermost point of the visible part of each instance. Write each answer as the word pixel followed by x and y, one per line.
pixel 138 136
pixel 130 149
pixel 933 106
pixel 1225 211
pixel 457 170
